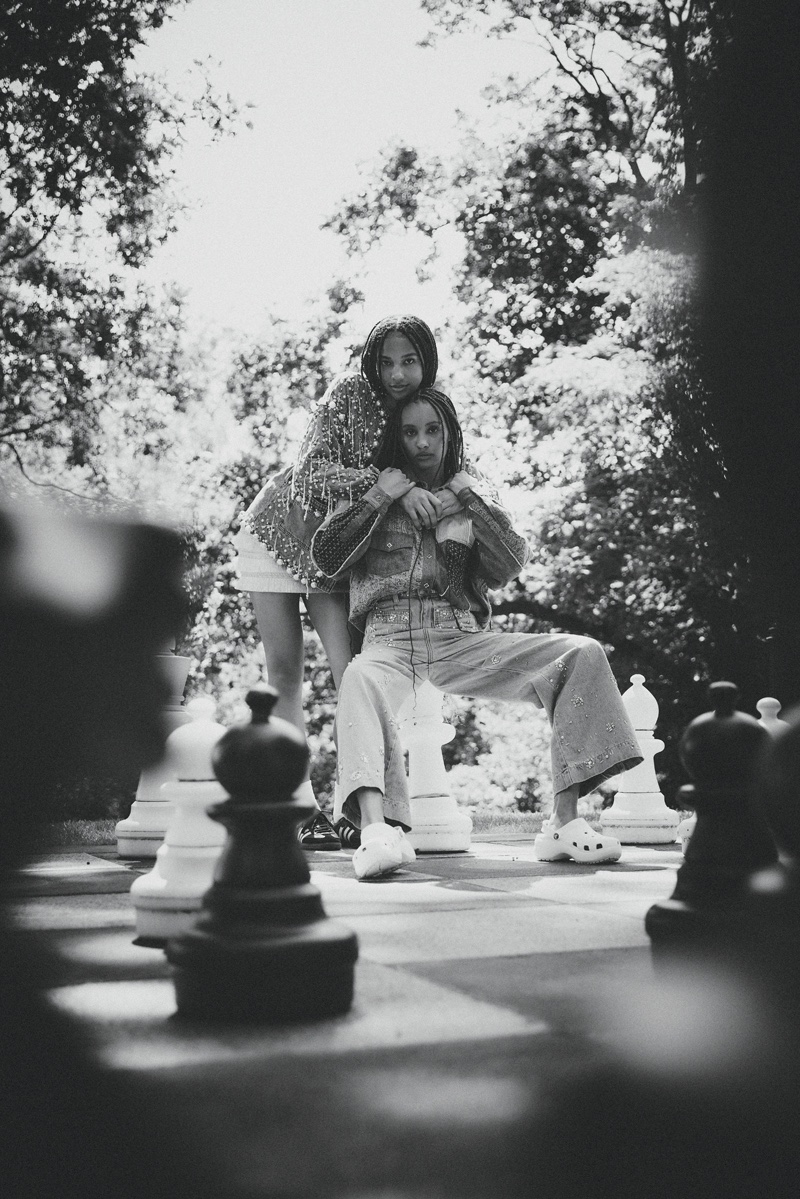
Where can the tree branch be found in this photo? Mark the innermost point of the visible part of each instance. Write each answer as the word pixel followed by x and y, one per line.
pixel 39 483
pixel 570 622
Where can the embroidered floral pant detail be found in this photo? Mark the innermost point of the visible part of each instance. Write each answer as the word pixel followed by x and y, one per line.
pixel 408 641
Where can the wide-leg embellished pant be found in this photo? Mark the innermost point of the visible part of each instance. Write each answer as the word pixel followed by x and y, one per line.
pixel 408 641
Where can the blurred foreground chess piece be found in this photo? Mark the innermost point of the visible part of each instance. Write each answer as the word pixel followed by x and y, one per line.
pixel 262 949
pixel 771 929
pixel 84 608
pixel 720 751
pixel 700 1097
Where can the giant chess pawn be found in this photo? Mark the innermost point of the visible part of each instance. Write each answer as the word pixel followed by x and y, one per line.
pixel 167 898
pixel 263 948
pixel 437 824
pixel 719 750
pixel 142 831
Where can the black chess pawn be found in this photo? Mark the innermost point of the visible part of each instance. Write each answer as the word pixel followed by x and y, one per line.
pixel 263 948
pixel 719 750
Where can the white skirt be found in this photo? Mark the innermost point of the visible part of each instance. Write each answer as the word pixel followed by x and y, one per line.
pixel 258 570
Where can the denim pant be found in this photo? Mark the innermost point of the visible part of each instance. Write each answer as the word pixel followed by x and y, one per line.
pixel 408 641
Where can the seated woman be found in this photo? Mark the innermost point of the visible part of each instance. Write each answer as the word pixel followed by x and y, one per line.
pixel 420 595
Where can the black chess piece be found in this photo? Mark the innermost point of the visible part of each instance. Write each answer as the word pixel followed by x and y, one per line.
pixel 720 751
pixel 263 948
pixel 770 933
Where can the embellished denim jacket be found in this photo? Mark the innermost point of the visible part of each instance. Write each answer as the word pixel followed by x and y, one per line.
pixel 385 555
pixel 334 463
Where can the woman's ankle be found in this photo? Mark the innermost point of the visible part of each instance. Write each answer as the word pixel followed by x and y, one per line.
pixel 378 830
pixel 305 792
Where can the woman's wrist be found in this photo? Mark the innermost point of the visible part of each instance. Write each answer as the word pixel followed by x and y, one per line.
pixel 461 482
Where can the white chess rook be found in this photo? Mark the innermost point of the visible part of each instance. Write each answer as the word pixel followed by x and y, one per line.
pixel 168 898
pixel 639 814
pixel 438 825
pixel 142 831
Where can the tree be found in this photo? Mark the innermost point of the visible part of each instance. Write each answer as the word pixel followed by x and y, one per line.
pixel 85 145
pixel 578 328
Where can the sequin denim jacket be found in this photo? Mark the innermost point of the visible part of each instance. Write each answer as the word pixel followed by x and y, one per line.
pixel 374 540
pixel 334 463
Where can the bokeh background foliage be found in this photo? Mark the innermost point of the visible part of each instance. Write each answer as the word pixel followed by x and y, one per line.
pixel 569 219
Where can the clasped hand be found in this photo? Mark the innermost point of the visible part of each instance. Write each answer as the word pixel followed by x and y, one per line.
pixel 424 508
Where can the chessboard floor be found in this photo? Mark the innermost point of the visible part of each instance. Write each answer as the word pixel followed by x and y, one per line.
pixel 483 979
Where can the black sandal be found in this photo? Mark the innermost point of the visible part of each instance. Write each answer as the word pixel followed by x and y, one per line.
pixel 318 833
pixel 349 835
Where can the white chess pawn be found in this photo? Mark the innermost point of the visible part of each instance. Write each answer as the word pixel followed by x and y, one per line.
pixel 437 823
pixel 167 899
pixel 142 830
pixel 768 709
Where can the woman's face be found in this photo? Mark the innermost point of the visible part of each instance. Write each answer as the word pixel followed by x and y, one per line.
pixel 422 436
pixel 401 367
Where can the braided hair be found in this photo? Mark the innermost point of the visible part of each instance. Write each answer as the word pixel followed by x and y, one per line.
pixel 390 452
pixel 421 338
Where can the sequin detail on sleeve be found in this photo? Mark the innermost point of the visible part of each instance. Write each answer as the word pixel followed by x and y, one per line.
pixel 334 459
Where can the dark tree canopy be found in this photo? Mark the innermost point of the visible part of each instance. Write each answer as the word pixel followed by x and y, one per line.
pixel 78 126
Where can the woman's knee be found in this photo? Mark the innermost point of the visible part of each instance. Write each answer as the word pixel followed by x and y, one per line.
pixel 360 676
pixel 586 646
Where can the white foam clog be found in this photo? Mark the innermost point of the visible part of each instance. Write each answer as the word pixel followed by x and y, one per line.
pixel 577 841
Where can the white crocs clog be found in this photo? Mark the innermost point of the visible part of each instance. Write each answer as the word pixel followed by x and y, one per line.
pixel 576 841
pixel 384 848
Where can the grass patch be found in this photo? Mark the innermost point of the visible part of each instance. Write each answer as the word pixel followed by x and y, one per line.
pixel 492 821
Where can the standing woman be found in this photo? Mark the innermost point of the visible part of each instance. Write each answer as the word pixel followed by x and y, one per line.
pixel 273 545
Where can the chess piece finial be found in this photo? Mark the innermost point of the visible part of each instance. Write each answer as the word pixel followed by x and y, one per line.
pixel 263 949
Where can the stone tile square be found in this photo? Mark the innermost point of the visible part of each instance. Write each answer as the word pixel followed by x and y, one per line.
pixel 75 911
pixel 401 892
pixel 133 1024
pixel 507 932
pixel 71 873
pixel 601 887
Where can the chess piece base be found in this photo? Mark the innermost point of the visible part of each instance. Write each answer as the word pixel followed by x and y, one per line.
pixel 163 918
pixel 288 976
pixel 640 818
pixel 138 842
pixel 438 826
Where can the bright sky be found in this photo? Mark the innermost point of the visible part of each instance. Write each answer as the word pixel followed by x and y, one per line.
pixel 332 81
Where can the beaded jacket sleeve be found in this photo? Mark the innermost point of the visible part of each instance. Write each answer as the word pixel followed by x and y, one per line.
pixel 334 462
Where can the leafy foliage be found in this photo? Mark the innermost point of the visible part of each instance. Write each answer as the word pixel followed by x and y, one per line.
pixel 85 146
